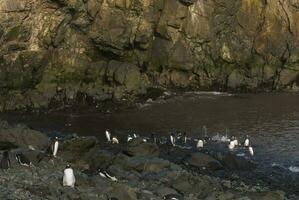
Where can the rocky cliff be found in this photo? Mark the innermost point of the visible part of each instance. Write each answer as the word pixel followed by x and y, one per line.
pixel 60 50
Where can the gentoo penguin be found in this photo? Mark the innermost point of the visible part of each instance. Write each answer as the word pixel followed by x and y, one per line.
pixel 185 137
pixel 172 139
pixel 114 140
pixel 23 160
pixel 251 151
pixel 55 147
pixel 231 145
pixel 246 143
pixel 5 161
pixel 68 177
pixel 108 135
pixel 129 138
pixel 199 144
pixel 153 137
pixel 104 174
pixel 234 139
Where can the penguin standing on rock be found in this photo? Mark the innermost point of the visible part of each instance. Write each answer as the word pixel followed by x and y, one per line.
pixel 23 160
pixel 231 145
pixel 251 152
pixel 185 138
pixel 68 177
pixel 199 144
pixel 246 143
pixel 108 135
pixel 54 147
pixel 172 139
pixel 5 161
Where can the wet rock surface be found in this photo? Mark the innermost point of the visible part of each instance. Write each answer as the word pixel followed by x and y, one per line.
pixel 57 53
pixel 138 177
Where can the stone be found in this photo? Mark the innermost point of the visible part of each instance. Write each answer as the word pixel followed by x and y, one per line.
pixel 22 137
pixel 234 162
pixel 140 163
pixel 98 158
pixel 139 148
pixel 201 161
pixel 80 144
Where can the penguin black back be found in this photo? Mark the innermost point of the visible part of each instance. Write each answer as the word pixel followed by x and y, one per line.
pixel 22 159
pixel 5 161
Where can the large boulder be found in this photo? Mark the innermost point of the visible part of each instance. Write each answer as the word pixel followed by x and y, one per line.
pixel 22 137
pixel 98 158
pixel 80 144
pixel 139 148
pixel 140 163
pixel 201 161
pixel 234 162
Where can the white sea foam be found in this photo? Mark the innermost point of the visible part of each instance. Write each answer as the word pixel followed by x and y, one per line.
pixel 294 169
pixel 214 93
pixel 220 138
pixel 240 154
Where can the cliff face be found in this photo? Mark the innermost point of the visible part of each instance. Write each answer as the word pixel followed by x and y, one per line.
pixel 57 50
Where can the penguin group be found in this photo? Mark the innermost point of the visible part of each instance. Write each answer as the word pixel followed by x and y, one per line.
pixel 68 173
pixel 110 139
pixel 180 140
pixel 233 144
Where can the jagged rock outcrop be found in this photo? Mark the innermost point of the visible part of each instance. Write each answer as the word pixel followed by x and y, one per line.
pixel 56 50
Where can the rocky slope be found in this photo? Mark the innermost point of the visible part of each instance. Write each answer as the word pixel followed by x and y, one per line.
pixel 141 170
pixel 55 51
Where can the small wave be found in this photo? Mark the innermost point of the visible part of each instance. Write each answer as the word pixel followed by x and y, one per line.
pixel 215 93
pixel 220 138
pixel 240 154
pixel 294 169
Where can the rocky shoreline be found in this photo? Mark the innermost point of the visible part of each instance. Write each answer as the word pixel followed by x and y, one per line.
pixel 143 170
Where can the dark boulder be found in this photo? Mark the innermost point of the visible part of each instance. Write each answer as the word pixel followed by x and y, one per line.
pixel 140 163
pixel 139 148
pixel 98 159
pixel 80 144
pixel 22 137
pixel 234 162
pixel 201 160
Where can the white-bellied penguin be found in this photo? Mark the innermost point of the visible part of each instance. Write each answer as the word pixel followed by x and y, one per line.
pixel 172 139
pixel 231 145
pixel 199 144
pixel 68 177
pixel 246 143
pixel 115 140
pixel 251 152
pixel 108 135
pixel 55 146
